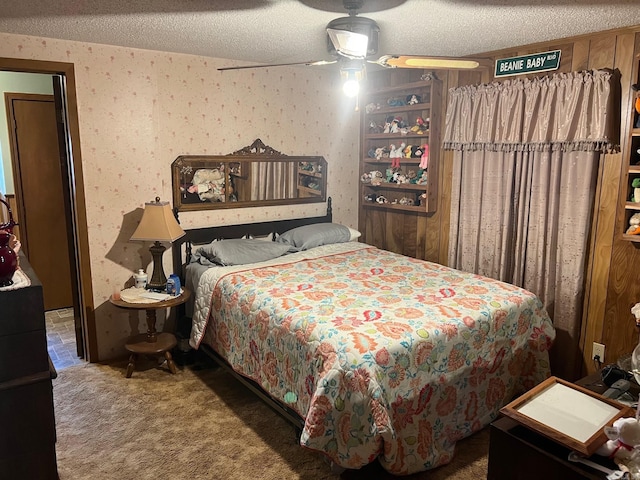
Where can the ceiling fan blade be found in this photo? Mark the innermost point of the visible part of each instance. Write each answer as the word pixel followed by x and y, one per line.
pixel 441 63
pixel 310 63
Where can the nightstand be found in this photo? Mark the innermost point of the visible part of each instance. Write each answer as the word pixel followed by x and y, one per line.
pixel 152 343
pixel 518 453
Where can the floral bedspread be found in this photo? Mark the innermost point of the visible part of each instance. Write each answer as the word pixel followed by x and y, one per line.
pixel 384 355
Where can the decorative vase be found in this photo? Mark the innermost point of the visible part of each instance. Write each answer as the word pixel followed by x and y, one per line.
pixel 8 257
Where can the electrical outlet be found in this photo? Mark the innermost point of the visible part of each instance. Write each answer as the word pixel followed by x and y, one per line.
pixel 598 350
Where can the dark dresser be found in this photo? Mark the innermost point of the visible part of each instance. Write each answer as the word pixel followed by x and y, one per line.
pixel 27 423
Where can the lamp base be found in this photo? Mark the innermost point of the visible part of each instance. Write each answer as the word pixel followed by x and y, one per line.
pixel 158 278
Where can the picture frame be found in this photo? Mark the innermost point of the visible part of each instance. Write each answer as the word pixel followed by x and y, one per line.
pixel 568 414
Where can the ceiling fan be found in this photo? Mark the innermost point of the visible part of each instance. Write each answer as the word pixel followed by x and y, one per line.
pixel 353 41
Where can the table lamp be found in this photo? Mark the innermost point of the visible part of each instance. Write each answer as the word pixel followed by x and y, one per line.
pixel 157 225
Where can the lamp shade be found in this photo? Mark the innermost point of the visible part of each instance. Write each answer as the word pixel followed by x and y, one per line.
pixel 157 224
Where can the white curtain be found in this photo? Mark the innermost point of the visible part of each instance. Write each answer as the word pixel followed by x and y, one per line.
pixel 526 156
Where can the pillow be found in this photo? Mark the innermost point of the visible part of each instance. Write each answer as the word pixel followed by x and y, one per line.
pixel 267 238
pixel 309 236
pixel 355 234
pixel 238 251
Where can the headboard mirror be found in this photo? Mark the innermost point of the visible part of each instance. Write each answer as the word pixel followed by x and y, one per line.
pixel 256 175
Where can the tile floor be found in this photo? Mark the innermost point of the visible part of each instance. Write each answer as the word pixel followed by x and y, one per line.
pixel 61 338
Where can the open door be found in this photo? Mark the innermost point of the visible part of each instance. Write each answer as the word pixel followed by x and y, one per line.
pixel 66 162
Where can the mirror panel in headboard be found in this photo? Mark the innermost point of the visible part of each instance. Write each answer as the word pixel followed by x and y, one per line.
pixel 254 176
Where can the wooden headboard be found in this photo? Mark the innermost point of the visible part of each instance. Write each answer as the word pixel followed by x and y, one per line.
pixel 207 234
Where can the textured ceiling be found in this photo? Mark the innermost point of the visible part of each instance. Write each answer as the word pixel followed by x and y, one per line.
pixel 275 31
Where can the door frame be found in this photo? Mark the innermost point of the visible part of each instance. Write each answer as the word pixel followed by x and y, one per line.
pixel 75 188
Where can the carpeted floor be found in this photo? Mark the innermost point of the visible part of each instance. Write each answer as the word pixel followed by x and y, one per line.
pixel 197 424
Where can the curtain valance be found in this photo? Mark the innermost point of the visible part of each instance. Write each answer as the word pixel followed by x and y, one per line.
pixel 564 111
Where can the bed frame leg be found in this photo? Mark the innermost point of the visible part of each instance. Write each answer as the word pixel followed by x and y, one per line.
pixel 336 469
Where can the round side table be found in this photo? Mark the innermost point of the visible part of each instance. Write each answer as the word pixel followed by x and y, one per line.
pixel 152 342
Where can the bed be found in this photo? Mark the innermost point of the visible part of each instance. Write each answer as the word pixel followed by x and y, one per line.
pixel 373 354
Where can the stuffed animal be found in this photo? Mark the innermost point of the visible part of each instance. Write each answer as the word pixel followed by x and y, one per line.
pixel 371 107
pixel 636 190
pixel 413 99
pixel 623 443
pixel 420 127
pixel 634 225
pixel 422 178
pixel 376 177
pixel 374 127
pixel 396 102
pixel 424 159
pixel 416 151
pixel 395 125
pixel 208 183
pixel 396 154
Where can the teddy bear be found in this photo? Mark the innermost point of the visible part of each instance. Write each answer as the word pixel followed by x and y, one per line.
pixel 623 443
pixel 634 225
pixel 376 177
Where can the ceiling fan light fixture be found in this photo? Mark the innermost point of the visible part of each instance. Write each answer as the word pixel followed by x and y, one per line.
pixel 410 61
pixel 344 31
pixel 352 72
pixel 349 44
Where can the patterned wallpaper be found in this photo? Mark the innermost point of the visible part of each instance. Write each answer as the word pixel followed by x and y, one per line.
pixel 139 110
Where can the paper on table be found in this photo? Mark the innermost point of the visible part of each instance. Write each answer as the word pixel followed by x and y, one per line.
pixel 139 295
pixel 156 296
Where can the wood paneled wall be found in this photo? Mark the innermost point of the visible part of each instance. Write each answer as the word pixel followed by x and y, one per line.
pixel 612 282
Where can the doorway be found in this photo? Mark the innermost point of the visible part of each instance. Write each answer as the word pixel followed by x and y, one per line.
pixel 71 186
pixel 38 183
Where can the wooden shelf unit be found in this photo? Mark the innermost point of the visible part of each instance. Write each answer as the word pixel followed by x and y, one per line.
pixel 631 156
pixel 306 176
pixel 428 109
